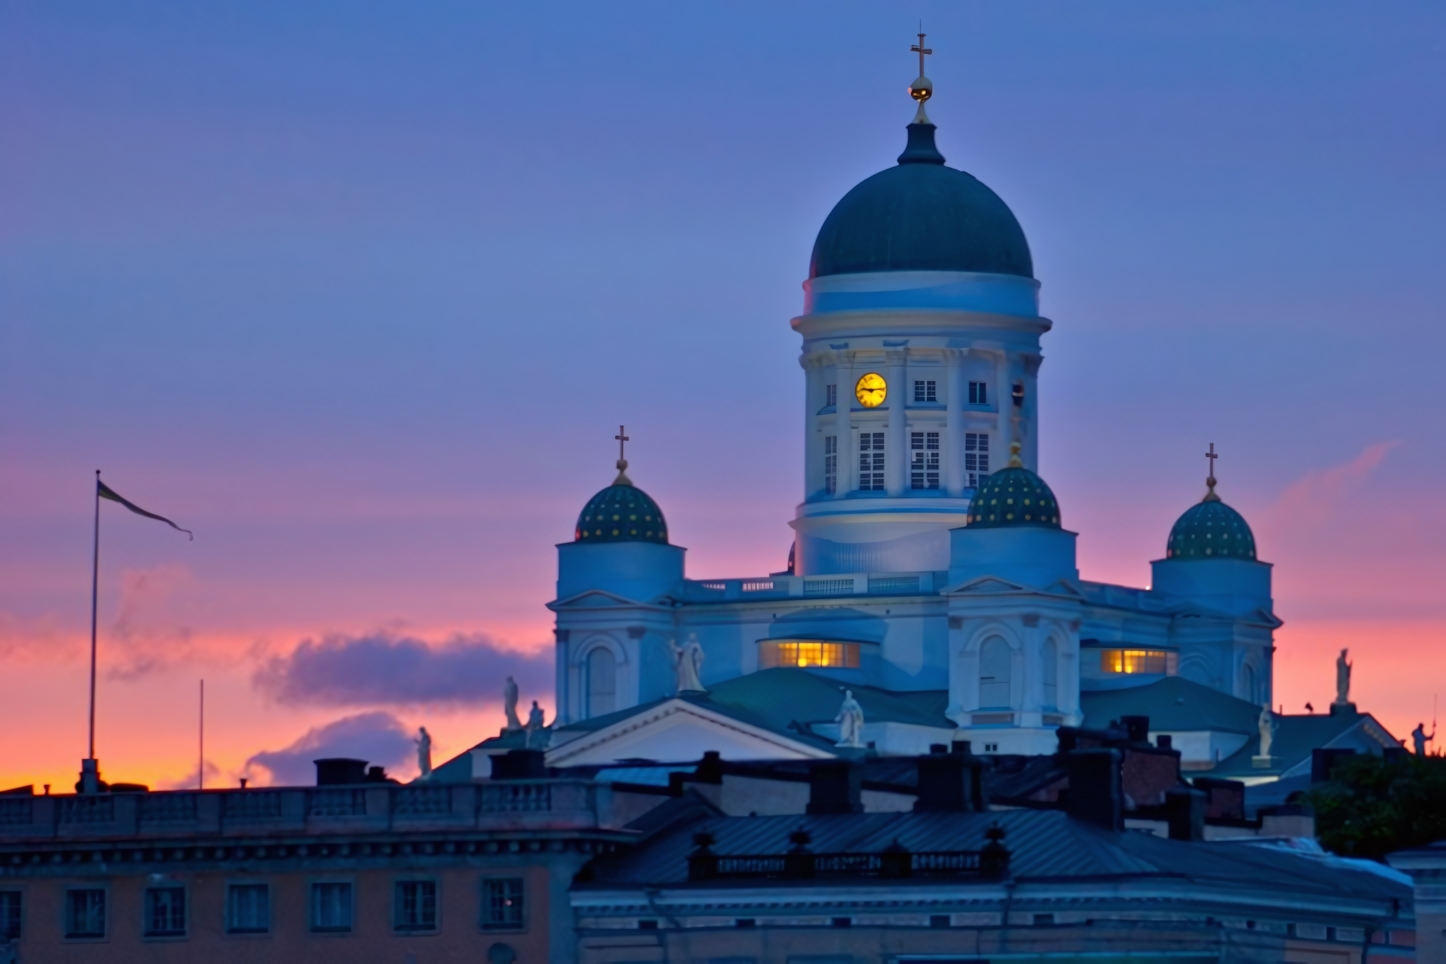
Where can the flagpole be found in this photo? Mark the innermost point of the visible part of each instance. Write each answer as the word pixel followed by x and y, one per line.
pixel 94 601
pixel 201 753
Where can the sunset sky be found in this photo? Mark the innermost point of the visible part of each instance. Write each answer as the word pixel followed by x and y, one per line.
pixel 360 292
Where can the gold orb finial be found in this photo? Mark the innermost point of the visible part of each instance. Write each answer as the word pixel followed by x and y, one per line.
pixel 1015 462
pixel 922 88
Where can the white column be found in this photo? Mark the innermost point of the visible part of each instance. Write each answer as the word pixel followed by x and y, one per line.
pixel 896 442
pixel 843 423
pixel 1029 417
pixel 813 381
pixel 1004 405
pixel 954 477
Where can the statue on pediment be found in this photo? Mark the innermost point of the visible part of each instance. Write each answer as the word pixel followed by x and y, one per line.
pixel 1343 679
pixel 688 665
pixel 1267 730
pixel 850 722
pixel 509 705
pixel 536 731
pixel 424 751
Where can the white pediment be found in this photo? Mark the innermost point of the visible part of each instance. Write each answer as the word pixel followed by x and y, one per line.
pixel 676 731
pixel 990 584
pixel 594 599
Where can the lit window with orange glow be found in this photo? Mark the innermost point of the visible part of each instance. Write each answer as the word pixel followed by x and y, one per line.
pixel 1158 662
pixel 808 652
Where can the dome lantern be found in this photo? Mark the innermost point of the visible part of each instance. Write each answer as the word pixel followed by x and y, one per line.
pixel 622 512
pixel 1210 529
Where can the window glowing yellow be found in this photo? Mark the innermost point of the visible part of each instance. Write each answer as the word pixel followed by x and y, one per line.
pixel 809 652
pixel 1148 661
pixel 871 390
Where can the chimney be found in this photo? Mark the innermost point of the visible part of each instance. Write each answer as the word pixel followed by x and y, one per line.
pixel 520 765
pixel 949 781
pixel 1185 812
pixel 1323 761
pixel 1224 799
pixel 1138 728
pixel 835 786
pixel 1165 741
pixel 340 771
pixel 1094 794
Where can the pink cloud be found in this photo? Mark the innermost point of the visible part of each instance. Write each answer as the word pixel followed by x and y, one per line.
pixel 1316 499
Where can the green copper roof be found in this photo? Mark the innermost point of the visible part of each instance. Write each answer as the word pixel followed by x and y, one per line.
pixel 921 216
pixel 621 513
pixel 1013 496
pixel 1210 529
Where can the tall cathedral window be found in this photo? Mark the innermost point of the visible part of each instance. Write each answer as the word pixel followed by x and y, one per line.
pixel 926 391
pixel 924 460
pixel 602 682
pixel 830 396
pixel 871 461
pixel 1049 676
pixel 830 463
pixel 976 457
pixel 994 672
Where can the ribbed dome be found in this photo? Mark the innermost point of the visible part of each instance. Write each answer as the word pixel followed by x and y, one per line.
pixel 1013 496
pixel 921 216
pixel 621 513
pixel 1210 529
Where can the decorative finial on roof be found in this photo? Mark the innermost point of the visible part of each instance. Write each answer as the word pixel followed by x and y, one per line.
pixel 623 440
pixel 922 88
pixel 1015 462
pixel 1210 495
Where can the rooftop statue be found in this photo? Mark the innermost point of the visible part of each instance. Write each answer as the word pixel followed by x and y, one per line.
pixel 424 751
pixel 850 722
pixel 1343 679
pixel 688 664
pixel 1267 730
pixel 509 705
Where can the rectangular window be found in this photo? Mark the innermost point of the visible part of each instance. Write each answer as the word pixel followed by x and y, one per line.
pixel 926 391
pixel 924 460
pixel 830 396
pixel 871 461
pixel 830 464
pixel 248 909
pixel 85 913
pixel 502 903
pixel 331 908
pixel 1158 662
pixel 808 652
pixel 416 905
pixel 165 912
pixel 978 393
pixel 976 458
pixel 9 915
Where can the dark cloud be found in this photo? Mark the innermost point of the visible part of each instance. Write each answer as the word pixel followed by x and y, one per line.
pixel 385 669
pixel 377 737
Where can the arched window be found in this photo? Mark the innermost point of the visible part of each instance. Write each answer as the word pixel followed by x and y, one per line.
pixel 994 665
pixel 1049 676
pixel 1247 683
pixel 602 682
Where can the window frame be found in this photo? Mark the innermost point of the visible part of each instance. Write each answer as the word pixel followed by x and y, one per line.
pixel 311 894
pixel 830 396
pixel 925 458
pixel 416 880
pixel 978 393
pixel 1139 661
pixel 231 928
pixel 17 930
pixel 976 458
pixel 484 903
pixel 148 911
pixel 66 917
pixel 830 464
pixel 926 391
pixel 872 461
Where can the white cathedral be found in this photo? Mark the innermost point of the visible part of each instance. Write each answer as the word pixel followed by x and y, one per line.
pixel 932 577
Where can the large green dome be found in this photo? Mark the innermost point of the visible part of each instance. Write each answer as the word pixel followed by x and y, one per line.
pixel 1210 529
pixel 1013 496
pixel 621 513
pixel 921 216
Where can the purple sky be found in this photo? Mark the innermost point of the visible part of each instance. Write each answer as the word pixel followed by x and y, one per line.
pixel 360 293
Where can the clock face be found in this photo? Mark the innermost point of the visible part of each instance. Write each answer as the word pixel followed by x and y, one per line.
pixel 871 390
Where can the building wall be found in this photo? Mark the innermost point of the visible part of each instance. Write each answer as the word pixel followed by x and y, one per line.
pixel 373 938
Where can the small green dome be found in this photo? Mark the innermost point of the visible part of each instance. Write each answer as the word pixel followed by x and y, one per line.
pixel 1210 529
pixel 621 513
pixel 1013 496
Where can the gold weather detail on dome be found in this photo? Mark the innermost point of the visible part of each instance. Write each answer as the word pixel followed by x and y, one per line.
pixel 871 390
pixel 1015 462
pixel 922 88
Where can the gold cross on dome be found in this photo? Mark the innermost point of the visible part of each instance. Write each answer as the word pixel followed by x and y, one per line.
pixel 921 50
pixel 622 440
pixel 1212 457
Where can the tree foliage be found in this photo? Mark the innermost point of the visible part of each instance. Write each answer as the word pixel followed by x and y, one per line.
pixel 1373 806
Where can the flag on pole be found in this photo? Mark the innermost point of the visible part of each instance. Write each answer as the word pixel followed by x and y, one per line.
pixel 106 492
